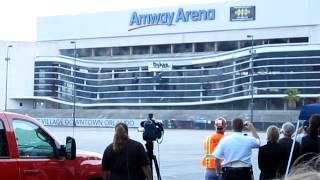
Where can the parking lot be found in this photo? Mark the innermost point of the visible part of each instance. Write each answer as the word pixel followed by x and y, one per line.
pixel 179 154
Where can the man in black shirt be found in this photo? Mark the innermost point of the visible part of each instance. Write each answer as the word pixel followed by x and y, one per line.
pixel 125 159
pixel 286 142
pixel 310 145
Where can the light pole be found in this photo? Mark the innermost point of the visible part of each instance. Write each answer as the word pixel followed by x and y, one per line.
pixel 7 59
pixel 74 81
pixel 251 78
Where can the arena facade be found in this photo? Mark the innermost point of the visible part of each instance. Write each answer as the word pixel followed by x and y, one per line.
pixel 210 56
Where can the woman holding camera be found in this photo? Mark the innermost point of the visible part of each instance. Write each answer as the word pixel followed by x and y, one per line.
pixel 125 159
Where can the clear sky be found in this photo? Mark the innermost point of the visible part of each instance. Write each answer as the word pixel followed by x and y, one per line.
pixel 18 18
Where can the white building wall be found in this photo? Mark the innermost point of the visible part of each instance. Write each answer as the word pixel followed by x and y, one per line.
pixel 20 73
pixel 269 14
pixel 274 19
pixel 315 33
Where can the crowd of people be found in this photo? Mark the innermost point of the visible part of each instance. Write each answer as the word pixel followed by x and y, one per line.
pixel 229 157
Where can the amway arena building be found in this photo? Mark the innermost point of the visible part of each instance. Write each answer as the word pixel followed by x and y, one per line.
pixel 218 56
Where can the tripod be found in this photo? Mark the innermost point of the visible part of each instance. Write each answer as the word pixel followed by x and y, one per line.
pixel 152 157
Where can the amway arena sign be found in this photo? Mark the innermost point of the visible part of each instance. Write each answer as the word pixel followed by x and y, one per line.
pixel 170 18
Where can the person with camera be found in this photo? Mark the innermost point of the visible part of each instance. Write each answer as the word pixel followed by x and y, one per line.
pixel 210 144
pixel 235 150
pixel 125 159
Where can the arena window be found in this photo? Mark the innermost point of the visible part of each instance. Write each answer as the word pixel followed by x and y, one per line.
pixel 102 51
pixel 227 45
pixel 278 41
pixel 66 52
pixel 181 48
pixel 85 52
pixel 137 50
pixel 204 47
pixel 161 49
pixel 299 40
pixel 121 51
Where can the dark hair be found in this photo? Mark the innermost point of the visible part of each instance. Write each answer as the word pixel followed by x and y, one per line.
pixel 121 137
pixel 314 125
pixel 237 125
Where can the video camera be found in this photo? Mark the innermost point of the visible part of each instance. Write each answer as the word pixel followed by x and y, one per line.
pixel 152 130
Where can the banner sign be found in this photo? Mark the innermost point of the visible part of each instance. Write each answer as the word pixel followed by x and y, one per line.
pixel 132 123
pixel 160 66
pixel 243 13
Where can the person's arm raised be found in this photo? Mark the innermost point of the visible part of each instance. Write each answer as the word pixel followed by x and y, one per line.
pixel 251 127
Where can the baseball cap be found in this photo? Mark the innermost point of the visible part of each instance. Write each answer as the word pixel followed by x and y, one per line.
pixel 288 128
pixel 220 122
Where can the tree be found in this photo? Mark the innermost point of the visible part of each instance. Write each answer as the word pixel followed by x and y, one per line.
pixel 292 97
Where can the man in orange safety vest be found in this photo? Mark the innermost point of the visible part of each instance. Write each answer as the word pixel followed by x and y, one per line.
pixel 210 144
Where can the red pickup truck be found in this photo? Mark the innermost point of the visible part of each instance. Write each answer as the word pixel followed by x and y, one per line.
pixel 29 151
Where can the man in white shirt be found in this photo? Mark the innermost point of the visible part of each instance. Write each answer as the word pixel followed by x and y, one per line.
pixel 235 150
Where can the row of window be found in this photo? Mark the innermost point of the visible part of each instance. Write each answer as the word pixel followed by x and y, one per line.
pixel 272 67
pixel 273 73
pixel 301 80
pixel 176 48
pixel 174 97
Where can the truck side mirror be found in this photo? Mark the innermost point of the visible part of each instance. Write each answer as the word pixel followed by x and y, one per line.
pixel 70 148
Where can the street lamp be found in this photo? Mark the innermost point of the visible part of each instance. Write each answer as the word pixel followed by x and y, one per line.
pixel 7 59
pixel 74 81
pixel 251 77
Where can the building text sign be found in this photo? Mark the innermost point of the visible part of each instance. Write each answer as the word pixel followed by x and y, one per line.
pixel 133 123
pixel 170 18
pixel 160 66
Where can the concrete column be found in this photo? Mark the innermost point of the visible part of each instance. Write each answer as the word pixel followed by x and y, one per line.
pixel 193 48
pixel 92 52
pixel 234 76
pixel 238 44
pixel 215 46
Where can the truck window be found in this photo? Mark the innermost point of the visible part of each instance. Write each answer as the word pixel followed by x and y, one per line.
pixel 4 151
pixel 32 141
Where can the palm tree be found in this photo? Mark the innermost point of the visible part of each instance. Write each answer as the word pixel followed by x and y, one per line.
pixel 292 97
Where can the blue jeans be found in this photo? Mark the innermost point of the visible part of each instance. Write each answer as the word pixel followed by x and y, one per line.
pixel 211 174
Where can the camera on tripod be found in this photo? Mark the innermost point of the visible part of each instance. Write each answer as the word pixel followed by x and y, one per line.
pixel 152 130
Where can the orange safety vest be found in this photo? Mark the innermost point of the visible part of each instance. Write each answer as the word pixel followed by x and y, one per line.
pixel 210 144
